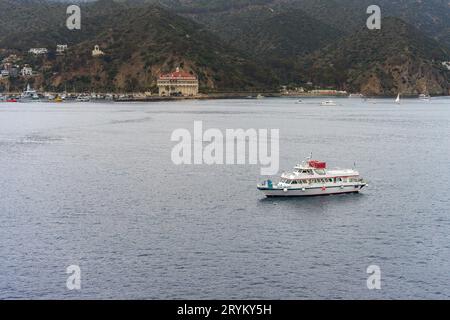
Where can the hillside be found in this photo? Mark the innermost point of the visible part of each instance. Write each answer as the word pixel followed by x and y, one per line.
pixel 234 45
pixel 274 29
pixel 397 58
pixel 140 43
pixel 282 30
pixel 432 17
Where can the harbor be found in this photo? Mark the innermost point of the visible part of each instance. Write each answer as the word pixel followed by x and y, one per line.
pixel 33 95
pixel 93 183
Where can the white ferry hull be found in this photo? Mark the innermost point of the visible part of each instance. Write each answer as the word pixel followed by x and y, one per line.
pixel 311 191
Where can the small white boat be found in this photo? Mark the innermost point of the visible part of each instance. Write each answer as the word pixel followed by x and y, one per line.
pixel 398 99
pixel 260 96
pixel 49 96
pixel 311 178
pixel 83 98
pixel 328 103
pixel 425 97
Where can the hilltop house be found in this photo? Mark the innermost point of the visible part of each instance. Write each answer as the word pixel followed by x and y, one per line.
pixel 26 71
pixel 61 48
pixel 178 83
pixel 38 51
pixel 10 59
pixel 97 52
pixel 10 70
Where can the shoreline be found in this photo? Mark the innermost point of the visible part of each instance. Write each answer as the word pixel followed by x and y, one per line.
pixel 214 96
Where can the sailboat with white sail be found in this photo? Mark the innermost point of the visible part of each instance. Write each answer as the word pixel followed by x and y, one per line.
pixel 397 101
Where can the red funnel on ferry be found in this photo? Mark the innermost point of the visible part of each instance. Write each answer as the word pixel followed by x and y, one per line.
pixel 317 164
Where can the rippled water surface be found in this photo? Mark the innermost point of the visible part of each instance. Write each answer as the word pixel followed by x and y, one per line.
pixel 93 185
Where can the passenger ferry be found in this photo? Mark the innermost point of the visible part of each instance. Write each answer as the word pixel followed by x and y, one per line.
pixel 311 178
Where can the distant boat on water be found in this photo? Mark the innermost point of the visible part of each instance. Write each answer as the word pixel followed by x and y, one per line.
pixel 29 95
pixel 425 97
pixel 328 103
pixel 398 99
pixel 57 99
pixel 83 98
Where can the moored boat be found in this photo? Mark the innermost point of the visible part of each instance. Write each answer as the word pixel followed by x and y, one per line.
pixel 83 98
pixel 328 103
pixel 311 178
pixel 57 99
pixel 29 95
pixel 425 97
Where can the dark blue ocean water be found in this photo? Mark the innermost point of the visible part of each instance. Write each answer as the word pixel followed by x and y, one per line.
pixel 94 185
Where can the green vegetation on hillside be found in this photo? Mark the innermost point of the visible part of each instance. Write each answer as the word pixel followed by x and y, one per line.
pixel 235 45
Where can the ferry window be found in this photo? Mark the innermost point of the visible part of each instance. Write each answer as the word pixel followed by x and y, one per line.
pixel 294 182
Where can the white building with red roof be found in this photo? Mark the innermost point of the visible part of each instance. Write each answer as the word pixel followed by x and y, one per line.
pixel 178 83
